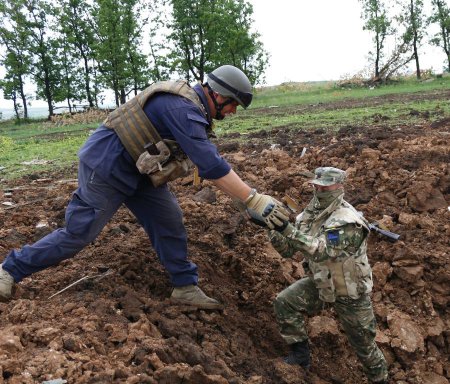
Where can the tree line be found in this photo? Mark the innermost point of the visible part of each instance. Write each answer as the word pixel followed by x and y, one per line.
pixel 73 50
pixel 408 26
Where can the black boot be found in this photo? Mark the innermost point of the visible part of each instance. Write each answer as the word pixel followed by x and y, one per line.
pixel 299 354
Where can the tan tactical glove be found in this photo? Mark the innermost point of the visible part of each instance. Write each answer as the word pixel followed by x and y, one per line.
pixel 267 209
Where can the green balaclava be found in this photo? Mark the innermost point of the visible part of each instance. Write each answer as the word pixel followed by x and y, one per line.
pixel 325 198
pixel 326 176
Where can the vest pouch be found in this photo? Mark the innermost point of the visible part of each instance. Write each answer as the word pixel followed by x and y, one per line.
pixel 358 276
pixel 150 163
pixel 364 273
pixel 324 283
pixel 171 171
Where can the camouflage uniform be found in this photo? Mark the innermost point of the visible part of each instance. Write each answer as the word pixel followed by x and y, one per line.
pixel 333 240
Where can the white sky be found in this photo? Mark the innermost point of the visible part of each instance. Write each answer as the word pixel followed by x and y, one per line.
pixel 313 40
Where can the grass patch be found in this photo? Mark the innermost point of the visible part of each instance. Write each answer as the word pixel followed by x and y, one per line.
pixel 412 112
pixel 305 106
pixel 42 129
pixel 22 158
pixel 325 92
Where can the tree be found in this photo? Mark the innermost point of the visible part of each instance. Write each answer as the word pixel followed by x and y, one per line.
pixel 375 14
pixel 43 47
pixel 71 79
pixel 121 65
pixel 413 19
pixel 75 21
pixel 441 16
pixel 209 33
pixel 12 86
pixel 157 22
pixel 16 61
pixel 132 30
pixel 398 58
pixel 243 48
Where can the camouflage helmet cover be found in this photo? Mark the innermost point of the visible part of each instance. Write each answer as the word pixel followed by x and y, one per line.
pixel 328 176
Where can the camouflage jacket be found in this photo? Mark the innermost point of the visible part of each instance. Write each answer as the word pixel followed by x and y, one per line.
pixel 334 241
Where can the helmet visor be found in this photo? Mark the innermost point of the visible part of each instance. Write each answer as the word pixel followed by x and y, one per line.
pixel 243 98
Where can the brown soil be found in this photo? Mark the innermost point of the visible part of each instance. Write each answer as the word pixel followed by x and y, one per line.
pixel 121 327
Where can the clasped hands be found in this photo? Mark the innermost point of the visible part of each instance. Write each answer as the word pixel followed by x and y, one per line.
pixel 266 211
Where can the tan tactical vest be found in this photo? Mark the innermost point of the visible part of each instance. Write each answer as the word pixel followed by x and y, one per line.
pixel 348 276
pixel 131 123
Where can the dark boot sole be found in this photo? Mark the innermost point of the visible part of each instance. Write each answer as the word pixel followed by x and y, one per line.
pixel 198 306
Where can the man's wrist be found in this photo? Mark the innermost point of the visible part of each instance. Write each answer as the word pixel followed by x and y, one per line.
pixel 252 194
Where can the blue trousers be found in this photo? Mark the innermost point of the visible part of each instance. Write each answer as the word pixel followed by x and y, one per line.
pixel 91 207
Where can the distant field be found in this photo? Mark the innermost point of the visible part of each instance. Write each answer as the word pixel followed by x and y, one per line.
pixel 39 145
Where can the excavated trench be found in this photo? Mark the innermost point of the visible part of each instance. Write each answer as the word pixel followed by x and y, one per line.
pixel 119 327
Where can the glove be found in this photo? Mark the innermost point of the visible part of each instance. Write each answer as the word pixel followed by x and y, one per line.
pixel 270 210
pixel 255 218
pixel 249 214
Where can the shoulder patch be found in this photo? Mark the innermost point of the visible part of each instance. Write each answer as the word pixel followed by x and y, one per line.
pixel 333 237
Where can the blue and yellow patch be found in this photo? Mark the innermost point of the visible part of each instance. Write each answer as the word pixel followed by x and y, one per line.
pixel 333 237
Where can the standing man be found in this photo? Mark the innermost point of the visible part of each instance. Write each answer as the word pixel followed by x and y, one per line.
pixel 153 138
pixel 332 236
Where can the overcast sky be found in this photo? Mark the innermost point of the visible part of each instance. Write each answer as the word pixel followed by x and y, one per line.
pixel 318 40
pixel 313 41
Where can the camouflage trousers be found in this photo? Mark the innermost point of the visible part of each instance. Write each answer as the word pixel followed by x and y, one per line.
pixel 355 316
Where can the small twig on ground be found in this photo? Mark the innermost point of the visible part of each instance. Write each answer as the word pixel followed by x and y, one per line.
pixel 96 277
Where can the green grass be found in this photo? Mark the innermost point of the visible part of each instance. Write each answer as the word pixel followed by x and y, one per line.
pixel 48 154
pixel 324 92
pixel 299 106
pixel 36 129
pixel 408 112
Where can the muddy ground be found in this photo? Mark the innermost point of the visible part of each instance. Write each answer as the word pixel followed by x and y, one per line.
pixel 121 328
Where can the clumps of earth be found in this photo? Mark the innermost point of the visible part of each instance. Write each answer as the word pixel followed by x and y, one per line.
pixel 117 325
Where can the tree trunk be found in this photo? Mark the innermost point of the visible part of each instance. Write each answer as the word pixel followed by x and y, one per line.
pixel 416 56
pixel 87 80
pixel 415 38
pixel 48 95
pixel 23 97
pixel 116 93
pixel 377 61
pixel 69 105
pixel 95 79
pixel 16 106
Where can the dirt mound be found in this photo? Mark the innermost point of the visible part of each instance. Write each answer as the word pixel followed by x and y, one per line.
pixel 89 116
pixel 118 326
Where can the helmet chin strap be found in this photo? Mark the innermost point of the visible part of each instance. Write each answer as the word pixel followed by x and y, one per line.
pixel 218 107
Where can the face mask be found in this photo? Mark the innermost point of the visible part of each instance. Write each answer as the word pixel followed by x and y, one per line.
pixel 325 198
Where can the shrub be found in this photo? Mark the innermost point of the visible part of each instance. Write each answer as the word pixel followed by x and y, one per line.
pixel 6 145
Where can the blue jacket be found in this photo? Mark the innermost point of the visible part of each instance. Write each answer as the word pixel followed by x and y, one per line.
pixel 175 118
